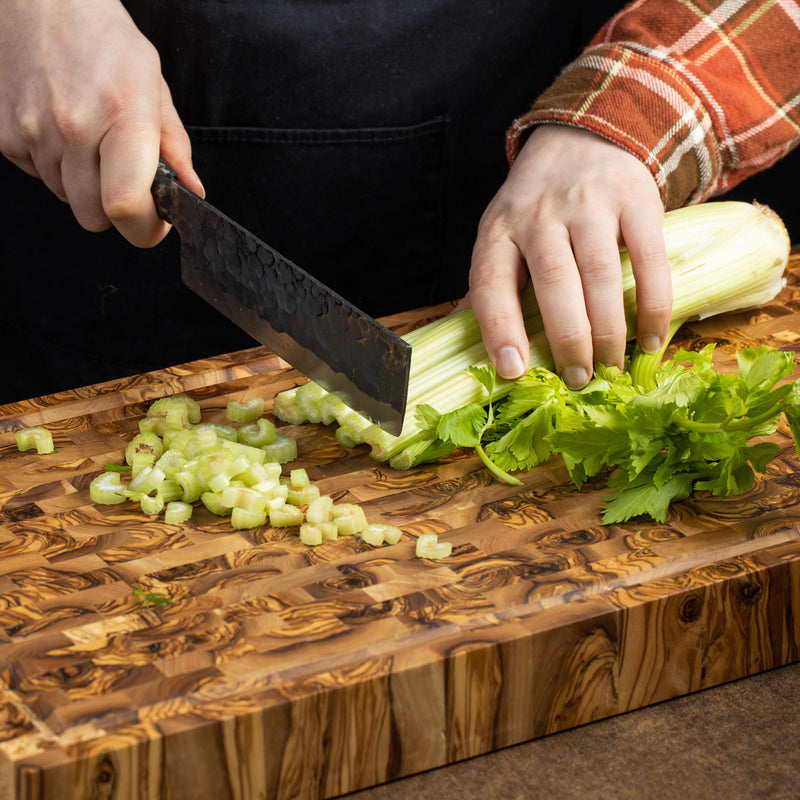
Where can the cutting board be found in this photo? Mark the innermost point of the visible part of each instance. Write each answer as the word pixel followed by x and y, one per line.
pixel 286 671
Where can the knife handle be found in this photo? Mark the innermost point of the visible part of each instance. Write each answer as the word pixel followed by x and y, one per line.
pixel 165 188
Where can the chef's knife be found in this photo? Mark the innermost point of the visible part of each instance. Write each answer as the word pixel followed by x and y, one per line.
pixel 285 308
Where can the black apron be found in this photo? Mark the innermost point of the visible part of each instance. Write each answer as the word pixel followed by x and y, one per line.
pixel 361 139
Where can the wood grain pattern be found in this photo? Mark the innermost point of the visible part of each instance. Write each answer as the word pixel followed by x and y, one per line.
pixel 283 671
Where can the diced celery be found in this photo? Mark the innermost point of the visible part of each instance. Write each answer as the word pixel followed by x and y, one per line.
pixel 241 519
pixel 35 437
pixel 310 534
pixel 148 443
pixel 170 462
pixel 226 432
pixel 140 461
pixel 151 505
pixel 239 411
pixel 286 408
pixel 107 489
pixel 329 531
pixel 298 478
pixel 180 441
pixel 286 516
pixel 253 474
pixel 170 490
pixel 160 407
pixel 188 480
pixel 282 450
pixel 428 546
pixel 309 399
pixel 302 497
pixel 257 434
pixel 372 535
pixel 255 455
pixel 148 480
pixel 177 513
pixel 152 425
pixel 349 524
pixel 244 498
pixel 319 510
pixel 213 502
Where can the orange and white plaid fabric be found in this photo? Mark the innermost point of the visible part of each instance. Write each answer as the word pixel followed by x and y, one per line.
pixel 705 92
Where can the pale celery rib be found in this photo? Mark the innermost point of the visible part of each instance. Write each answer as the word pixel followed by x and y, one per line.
pixel 724 256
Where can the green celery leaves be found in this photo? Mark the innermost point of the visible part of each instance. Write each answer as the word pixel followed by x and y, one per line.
pixel 690 432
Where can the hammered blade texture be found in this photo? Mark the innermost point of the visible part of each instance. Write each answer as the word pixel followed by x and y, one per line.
pixel 285 308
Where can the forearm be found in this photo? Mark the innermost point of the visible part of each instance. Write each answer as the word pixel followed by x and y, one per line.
pixel 704 100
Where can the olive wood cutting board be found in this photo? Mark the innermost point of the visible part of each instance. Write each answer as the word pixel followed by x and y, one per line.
pixel 286 671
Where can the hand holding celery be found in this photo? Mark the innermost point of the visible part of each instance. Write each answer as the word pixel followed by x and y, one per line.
pixel 724 256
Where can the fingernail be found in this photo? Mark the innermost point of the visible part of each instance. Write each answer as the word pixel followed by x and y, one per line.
pixel 509 363
pixel 575 377
pixel 650 344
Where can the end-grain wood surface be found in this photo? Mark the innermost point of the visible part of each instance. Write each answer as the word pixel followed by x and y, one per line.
pixel 286 671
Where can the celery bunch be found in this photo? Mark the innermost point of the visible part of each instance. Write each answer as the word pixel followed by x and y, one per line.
pixel 724 256
pixel 692 431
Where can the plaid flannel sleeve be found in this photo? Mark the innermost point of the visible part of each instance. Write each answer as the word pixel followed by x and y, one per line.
pixel 705 92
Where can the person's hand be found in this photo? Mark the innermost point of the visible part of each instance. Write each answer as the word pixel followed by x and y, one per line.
pixel 84 107
pixel 570 200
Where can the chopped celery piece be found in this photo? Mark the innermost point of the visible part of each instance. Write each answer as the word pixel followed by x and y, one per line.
pixel 286 408
pixel 206 441
pixel 257 434
pixel 349 524
pixel 169 490
pixel 286 516
pixel 107 489
pixel 177 512
pixel 170 462
pixel 319 510
pixel 227 432
pixel 239 411
pixel 176 418
pixel 151 506
pixel 309 398
pixel 180 442
pixel 429 547
pixel 331 407
pixel 152 425
pixel 348 438
pixel 276 501
pixel 148 480
pixel 256 455
pixel 37 437
pixel 148 443
pixel 140 461
pixel 302 497
pixel 298 478
pixel 329 531
pixel 241 519
pixel 282 450
pixel 213 502
pixel 310 534
pixel 160 407
pixel 190 484
pixel 378 533
pixel 242 497
pixel 372 535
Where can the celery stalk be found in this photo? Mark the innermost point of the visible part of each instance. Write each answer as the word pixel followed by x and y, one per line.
pixel 724 256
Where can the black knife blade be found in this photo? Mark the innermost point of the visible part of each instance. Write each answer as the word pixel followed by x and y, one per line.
pixel 285 308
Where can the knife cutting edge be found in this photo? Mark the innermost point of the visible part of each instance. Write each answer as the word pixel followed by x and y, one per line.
pixel 285 308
